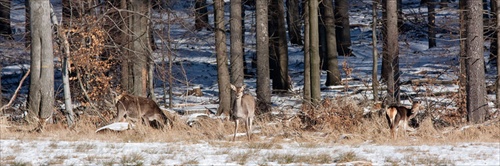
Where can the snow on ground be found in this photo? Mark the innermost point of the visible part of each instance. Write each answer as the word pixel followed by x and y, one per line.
pixel 53 152
pixel 195 52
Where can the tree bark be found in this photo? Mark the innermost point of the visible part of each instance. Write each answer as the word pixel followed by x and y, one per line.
pixel 375 52
pixel 314 53
pixel 140 45
pixel 307 56
pixel 494 40
pixel 41 91
pixel 5 28
pixel 332 74
pixel 279 48
pixel 293 20
pixel 222 68
pixel 27 26
pixel 462 56
pixel 496 48
pixel 343 30
pixel 390 63
pixel 237 74
pixel 431 23
pixel 201 20
pixel 263 82
pixel 474 63
pixel 1 94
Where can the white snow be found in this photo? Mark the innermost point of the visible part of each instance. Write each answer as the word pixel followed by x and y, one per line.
pixel 195 51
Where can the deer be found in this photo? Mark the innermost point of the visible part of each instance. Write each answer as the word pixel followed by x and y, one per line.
pixel 243 109
pixel 400 115
pixel 137 108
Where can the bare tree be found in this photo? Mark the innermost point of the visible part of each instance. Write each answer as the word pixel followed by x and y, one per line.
pixel 263 82
pixel 494 40
pixel 5 29
pixel 495 47
pixel 201 20
pixel 462 56
pixel 41 91
pixel 343 30
pixel 65 50
pixel 237 74
pixel 307 56
pixel 27 26
pixel 314 52
pixel 375 51
pixel 333 73
pixel 222 68
pixel 431 23
pixel 474 63
pixel 293 20
pixel 390 63
pixel 1 95
pixel 139 44
pixel 278 47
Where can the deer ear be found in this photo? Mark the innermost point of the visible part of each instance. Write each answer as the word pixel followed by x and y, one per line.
pixel 233 87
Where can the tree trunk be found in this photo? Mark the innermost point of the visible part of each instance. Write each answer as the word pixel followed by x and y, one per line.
pixel 431 23
pixel 140 45
pixel 494 40
pixel 1 94
pixel 237 74
pixel 333 73
pixel 5 29
pixel 462 56
pixel 307 56
pixel 343 30
pixel 314 53
pixel 443 4
pixel 27 26
pixel 70 115
pixel 476 86
pixel 293 20
pixel 279 48
pixel 390 64
pixel 65 50
pixel 495 47
pixel 375 52
pixel 322 37
pixel 201 20
pixel 222 68
pixel 41 92
pixel 263 82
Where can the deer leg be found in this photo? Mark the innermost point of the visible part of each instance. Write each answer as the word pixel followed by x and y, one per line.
pixel 392 132
pixel 405 123
pixel 235 128
pixel 250 127
pixel 247 127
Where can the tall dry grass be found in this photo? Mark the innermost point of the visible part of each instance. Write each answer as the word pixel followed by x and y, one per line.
pixel 336 121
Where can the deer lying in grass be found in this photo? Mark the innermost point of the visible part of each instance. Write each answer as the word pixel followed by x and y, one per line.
pixel 243 108
pixel 136 108
pixel 400 115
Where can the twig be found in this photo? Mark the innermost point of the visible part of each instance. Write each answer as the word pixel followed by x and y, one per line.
pixel 15 92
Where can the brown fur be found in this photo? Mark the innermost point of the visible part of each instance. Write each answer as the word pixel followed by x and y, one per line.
pixel 400 115
pixel 136 108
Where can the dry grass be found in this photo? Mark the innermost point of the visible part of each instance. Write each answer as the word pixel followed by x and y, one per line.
pixel 136 159
pixel 338 120
pixel 291 158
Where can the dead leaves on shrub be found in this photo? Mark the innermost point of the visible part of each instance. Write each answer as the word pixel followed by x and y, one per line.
pixel 332 115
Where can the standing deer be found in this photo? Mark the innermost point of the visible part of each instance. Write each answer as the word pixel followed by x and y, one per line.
pixel 397 115
pixel 243 108
pixel 136 108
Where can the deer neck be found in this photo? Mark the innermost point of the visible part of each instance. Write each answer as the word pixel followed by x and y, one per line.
pixel 237 103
